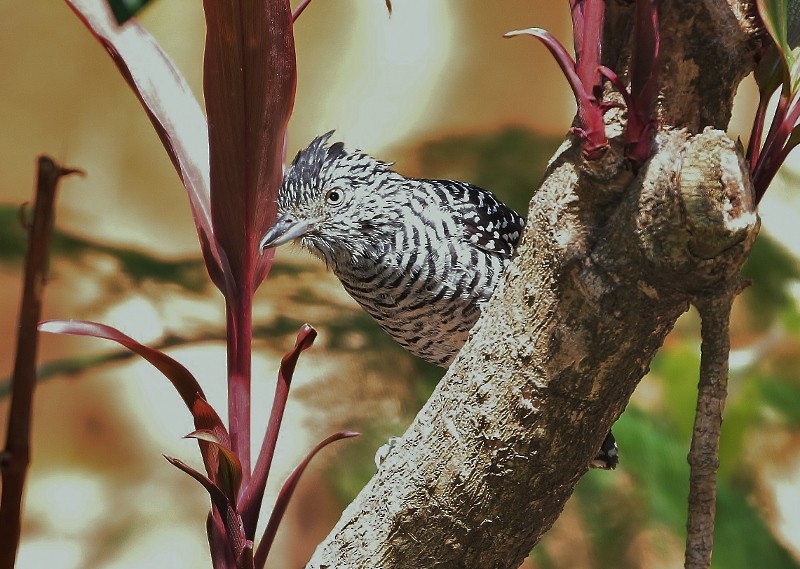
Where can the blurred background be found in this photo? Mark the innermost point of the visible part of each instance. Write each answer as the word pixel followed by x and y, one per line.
pixel 436 89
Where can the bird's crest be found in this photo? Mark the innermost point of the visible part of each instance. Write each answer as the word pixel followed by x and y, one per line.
pixel 318 162
pixel 309 162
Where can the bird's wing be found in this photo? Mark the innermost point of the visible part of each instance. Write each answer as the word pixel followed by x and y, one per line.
pixel 490 224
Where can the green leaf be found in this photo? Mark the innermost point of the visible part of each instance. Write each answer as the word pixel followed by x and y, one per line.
pixel 775 15
pixel 124 10
pixel 782 20
pixel 743 539
pixel 793 25
pixel 772 269
pixel 770 73
pixel 228 476
pixel 782 396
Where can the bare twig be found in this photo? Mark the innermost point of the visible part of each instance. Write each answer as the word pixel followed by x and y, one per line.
pixel 15 457
pixel 715 310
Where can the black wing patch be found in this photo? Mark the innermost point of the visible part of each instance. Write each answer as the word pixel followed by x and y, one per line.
pixel 491 225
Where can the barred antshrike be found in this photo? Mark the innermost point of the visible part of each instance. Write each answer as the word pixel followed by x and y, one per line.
pixel 420 256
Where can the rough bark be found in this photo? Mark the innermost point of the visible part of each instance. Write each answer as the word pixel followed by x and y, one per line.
pixel 608 262
pixel 715 310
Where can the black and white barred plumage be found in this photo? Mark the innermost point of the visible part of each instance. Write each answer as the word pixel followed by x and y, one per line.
pixel 420 256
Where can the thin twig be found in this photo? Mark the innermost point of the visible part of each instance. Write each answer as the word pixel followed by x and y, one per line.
pixel 715 311
pixel 15 457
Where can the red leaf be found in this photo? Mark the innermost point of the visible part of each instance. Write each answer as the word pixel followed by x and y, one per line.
pixel 592 127
pixel 300 9
pixel 171 107
pixel 249 83
pixel 180 377
pixel 226 473
pixel 286 494
pixel 254 493
pixel 231 519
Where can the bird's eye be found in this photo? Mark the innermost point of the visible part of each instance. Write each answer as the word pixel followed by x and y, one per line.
pixel 333 197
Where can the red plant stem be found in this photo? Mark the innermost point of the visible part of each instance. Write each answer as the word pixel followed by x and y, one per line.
pixel 774 134
pixel 576 12
pixel 754 145
pixel 591 44
pixel 252 494
pixel 774 151
pixel 644 59
pixel 240 319
pixel 15 458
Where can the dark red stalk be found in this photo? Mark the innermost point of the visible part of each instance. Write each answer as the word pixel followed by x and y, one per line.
pixel 775 151
pixel 589 38
pixel 771 155
pixel 778 119
pixel 241 546
pixel 239 332
pixel 644 80
pixel 577 13
pixel 644 58
pixel 757 131
pixel 15 458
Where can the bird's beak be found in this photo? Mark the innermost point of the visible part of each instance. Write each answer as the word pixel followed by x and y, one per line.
pixel 285 229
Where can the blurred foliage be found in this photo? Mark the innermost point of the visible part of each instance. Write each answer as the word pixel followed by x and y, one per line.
pixel 509 162
pixel 137 265
pixel 382 387
pixel 771 268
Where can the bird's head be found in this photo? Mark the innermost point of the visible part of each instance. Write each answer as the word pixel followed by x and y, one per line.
pixel 335 203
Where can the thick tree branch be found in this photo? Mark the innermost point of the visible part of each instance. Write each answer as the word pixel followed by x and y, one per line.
pixel 607 264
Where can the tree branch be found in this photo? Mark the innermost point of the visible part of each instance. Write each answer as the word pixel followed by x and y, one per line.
pixel 715 311
pixel 606 265
pixel 15 458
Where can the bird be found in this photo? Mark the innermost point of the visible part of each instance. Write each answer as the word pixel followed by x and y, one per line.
pixel 421 256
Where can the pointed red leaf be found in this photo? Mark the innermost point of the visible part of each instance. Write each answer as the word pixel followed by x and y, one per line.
pixel 301 7
pixel 171 107
pixel 227 474
pixel 233 523
pixel 180 377
pixel 286 494
pixel 249 83
pixel 254 493
pixel 207 420
pixel 590 115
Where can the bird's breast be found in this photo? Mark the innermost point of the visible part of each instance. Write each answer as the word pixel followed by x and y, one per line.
pixel 427 301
